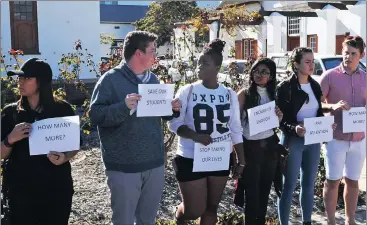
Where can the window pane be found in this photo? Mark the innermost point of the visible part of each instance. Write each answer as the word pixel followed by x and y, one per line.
pixel 29 16
pixel 17 16
pixel 23 8
pixel 29 8
pixel 283 63
pixel 29 2
pixel 16 8
pixel 331 63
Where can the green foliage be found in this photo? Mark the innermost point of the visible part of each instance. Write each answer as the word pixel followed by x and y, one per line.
pixel 161 17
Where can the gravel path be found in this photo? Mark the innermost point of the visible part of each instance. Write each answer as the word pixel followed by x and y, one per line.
pixel 91 202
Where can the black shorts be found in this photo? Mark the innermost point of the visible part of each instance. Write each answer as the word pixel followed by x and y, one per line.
pixel 183 169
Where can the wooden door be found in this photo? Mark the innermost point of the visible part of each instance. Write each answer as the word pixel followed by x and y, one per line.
pixel 239 49
pixel 24 30
pixel 339 44
pixel 293 42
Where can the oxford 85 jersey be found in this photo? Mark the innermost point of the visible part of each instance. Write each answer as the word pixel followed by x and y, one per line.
pixel 207 111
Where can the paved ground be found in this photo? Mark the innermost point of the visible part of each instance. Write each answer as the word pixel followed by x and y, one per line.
pixel 361 213
pixel 362 180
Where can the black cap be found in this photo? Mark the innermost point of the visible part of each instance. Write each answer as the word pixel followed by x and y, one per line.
pixel 34 67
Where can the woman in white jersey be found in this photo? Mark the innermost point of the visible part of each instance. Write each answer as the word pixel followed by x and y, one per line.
pixel 210 113
pixel 299 97
pixel 260 150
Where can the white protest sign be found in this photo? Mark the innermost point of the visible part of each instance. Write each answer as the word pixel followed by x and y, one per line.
pixel 213 157
pixel 60 134
pixel 318 129
pixel 354 120
pixel 155 100
pixel 262 118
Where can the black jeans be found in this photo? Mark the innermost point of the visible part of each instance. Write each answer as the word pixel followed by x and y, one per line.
pixel 40 208
pixel 261 162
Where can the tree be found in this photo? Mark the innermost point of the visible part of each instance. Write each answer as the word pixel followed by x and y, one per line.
pixel 161 17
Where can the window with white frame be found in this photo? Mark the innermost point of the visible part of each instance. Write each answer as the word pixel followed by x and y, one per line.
pixel 251 47
pixel 313 43
pixel 247 47
pixel 293 25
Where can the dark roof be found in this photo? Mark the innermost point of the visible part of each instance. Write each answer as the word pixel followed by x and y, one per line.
pixel 122 13
pixel 238 2
pixel 307 9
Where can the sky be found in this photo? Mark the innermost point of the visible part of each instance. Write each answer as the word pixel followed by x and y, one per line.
pixel 200 3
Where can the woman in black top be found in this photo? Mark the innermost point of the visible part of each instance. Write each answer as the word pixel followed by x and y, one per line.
pixel 38 188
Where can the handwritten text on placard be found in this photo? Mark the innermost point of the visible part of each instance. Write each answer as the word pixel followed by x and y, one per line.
pixel 60 134
pixel 354 120
pixel 156 100
pixel 262 118
pixel 318 129
pixel 213 157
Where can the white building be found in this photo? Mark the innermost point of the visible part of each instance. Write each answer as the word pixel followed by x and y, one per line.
pixel 318 25
pixel 48 29
pixel 117 21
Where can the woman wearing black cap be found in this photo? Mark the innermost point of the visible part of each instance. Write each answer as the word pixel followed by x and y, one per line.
pixel 38 188
pixel 260 149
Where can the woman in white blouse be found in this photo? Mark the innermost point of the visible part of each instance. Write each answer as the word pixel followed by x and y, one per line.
pixel 260 149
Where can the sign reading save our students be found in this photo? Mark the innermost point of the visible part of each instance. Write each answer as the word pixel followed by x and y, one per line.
pixel 318 129
pixel 354 120
pixel 156 100
pixel 262 118
pixel 60 134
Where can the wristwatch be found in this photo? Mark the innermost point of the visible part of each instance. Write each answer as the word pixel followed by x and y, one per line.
pixel 6 142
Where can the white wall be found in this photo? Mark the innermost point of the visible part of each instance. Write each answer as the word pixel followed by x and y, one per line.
pixel 60 24
pixel 109 29
pixel 276 33
pixel 182 50
pixel 165 49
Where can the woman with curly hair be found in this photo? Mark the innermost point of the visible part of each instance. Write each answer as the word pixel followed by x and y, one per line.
pixel 209 113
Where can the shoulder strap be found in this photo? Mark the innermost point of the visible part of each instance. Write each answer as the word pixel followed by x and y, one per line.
pixel 189 96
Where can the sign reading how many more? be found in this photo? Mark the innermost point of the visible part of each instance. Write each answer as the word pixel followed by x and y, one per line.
pixel 354 120
pixel 60 134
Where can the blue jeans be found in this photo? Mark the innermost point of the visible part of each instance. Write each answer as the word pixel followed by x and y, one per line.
pixel 304 158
